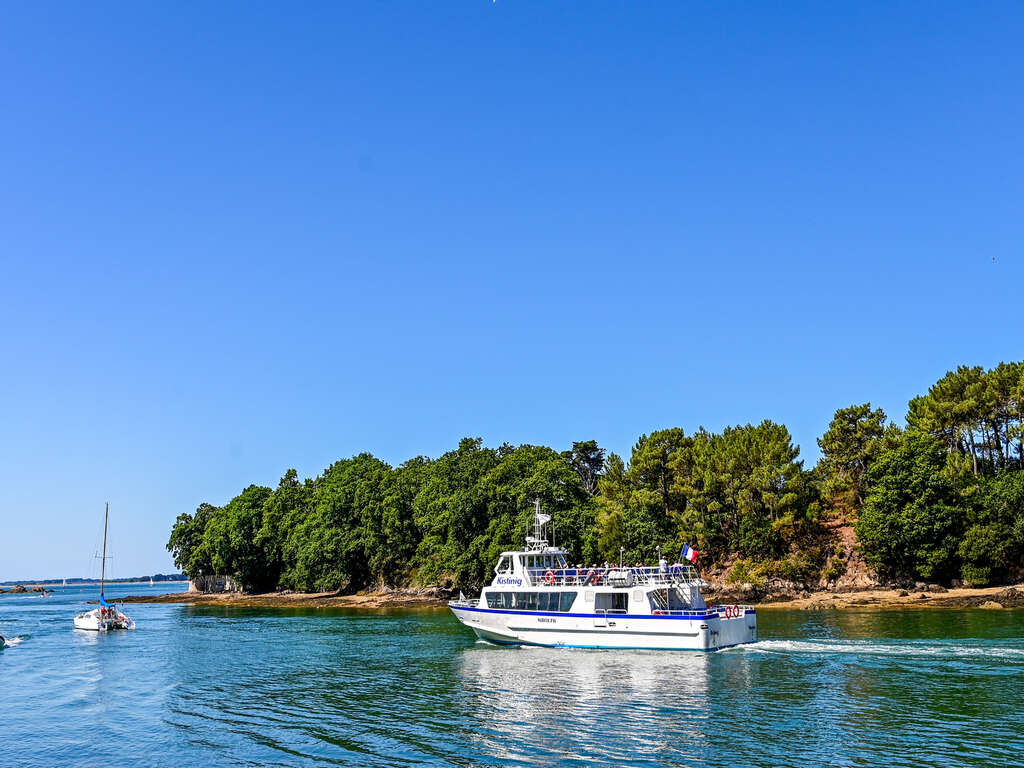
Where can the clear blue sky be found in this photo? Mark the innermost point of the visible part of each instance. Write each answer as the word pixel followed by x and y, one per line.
pixel 242 237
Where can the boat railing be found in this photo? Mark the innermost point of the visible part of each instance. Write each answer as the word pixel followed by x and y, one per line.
pixel 614 577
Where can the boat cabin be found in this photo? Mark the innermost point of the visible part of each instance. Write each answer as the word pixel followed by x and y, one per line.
pixel 542 579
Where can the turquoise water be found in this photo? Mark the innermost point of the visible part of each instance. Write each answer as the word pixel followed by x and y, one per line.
pixel 196 686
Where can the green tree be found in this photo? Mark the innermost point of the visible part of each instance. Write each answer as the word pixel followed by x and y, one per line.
pixel 283 514
pixel 993 545
pixel 613 494
pixel 241 552
pixel 587 461
pixel 913 516
pixel 847 448
pixel 331 541
pixel 450 511
pixel 186 543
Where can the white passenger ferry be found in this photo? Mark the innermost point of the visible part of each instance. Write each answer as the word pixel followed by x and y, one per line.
pixel 537 598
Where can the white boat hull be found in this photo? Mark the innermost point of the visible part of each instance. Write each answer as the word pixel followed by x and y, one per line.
pixel 96 621
pixel 697 631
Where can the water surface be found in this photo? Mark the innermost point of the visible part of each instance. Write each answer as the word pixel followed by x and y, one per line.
pixel 213 686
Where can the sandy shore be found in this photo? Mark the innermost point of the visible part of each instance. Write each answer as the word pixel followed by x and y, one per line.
pixel 964 597
pixel 394 599
pixel 988 597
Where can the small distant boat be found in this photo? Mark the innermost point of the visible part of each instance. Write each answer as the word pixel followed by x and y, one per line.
pixel 64 584
pixel 3 643
pixel 151 581
pixel 107 616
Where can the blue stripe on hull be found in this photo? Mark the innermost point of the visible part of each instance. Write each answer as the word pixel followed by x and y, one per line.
pixel 607 647
pixel 687 617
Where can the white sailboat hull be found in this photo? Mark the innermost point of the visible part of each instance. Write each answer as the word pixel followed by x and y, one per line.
pixel 701 631
pixel 99 621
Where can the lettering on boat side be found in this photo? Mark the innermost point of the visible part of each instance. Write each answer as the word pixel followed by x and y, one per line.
pixel 548 621
pixel 518 582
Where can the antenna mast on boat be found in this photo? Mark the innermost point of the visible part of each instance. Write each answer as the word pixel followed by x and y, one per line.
pixel 537 542
pixel 103 565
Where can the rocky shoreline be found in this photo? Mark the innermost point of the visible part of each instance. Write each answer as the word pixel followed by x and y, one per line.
pixel 386 599
pixel 922 596
pixel 20 589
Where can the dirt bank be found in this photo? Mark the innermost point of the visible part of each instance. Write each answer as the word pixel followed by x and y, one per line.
pixel 964 597
pixel 392 599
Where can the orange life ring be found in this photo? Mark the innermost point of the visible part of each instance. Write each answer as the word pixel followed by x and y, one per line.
pixel 549 577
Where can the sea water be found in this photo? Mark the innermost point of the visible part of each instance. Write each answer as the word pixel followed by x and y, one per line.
pixel 214 686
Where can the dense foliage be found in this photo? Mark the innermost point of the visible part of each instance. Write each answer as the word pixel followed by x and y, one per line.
pixel 939 500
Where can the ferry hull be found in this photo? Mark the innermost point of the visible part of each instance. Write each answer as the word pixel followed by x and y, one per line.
pixel 709 632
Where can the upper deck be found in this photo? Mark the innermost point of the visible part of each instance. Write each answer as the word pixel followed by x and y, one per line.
pixel 548 568
pixel 614 576
pixel 540 565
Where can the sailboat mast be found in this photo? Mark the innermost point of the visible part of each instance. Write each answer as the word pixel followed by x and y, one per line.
pixel 103 567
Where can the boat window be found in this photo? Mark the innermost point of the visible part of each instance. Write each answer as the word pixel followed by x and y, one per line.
pixel 676 601
pixel 612 601
pixel 560 561
pixel 551 602
pixel 505 565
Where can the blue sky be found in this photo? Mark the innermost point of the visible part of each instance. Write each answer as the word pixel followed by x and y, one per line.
pixel 242 237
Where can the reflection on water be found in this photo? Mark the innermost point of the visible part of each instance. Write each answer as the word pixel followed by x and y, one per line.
pixel 542 705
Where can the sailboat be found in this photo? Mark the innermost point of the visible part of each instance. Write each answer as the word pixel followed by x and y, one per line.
pixel 107 616
pixel 151 581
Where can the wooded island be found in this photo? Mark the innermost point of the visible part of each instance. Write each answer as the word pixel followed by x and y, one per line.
pixel 940 499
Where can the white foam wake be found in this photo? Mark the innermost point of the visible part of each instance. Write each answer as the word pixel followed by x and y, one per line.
pixel 903 648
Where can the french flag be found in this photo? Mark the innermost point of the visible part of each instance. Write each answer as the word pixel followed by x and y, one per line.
pixel 689 554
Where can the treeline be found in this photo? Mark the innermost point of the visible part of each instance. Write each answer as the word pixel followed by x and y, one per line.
pixel 944 497
pixel 940 499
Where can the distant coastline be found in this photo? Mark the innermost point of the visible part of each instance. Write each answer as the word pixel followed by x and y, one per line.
pixel 157 579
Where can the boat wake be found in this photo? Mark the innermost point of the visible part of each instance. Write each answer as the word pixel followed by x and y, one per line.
pixel 931 649
pixel 10 642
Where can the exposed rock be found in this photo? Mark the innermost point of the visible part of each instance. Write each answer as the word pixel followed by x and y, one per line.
pixel 17 589
pixel 937 588
pixel 922 596
pixel 991 604
pixel 1012 597
pixel 856 575
pixel 904 593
